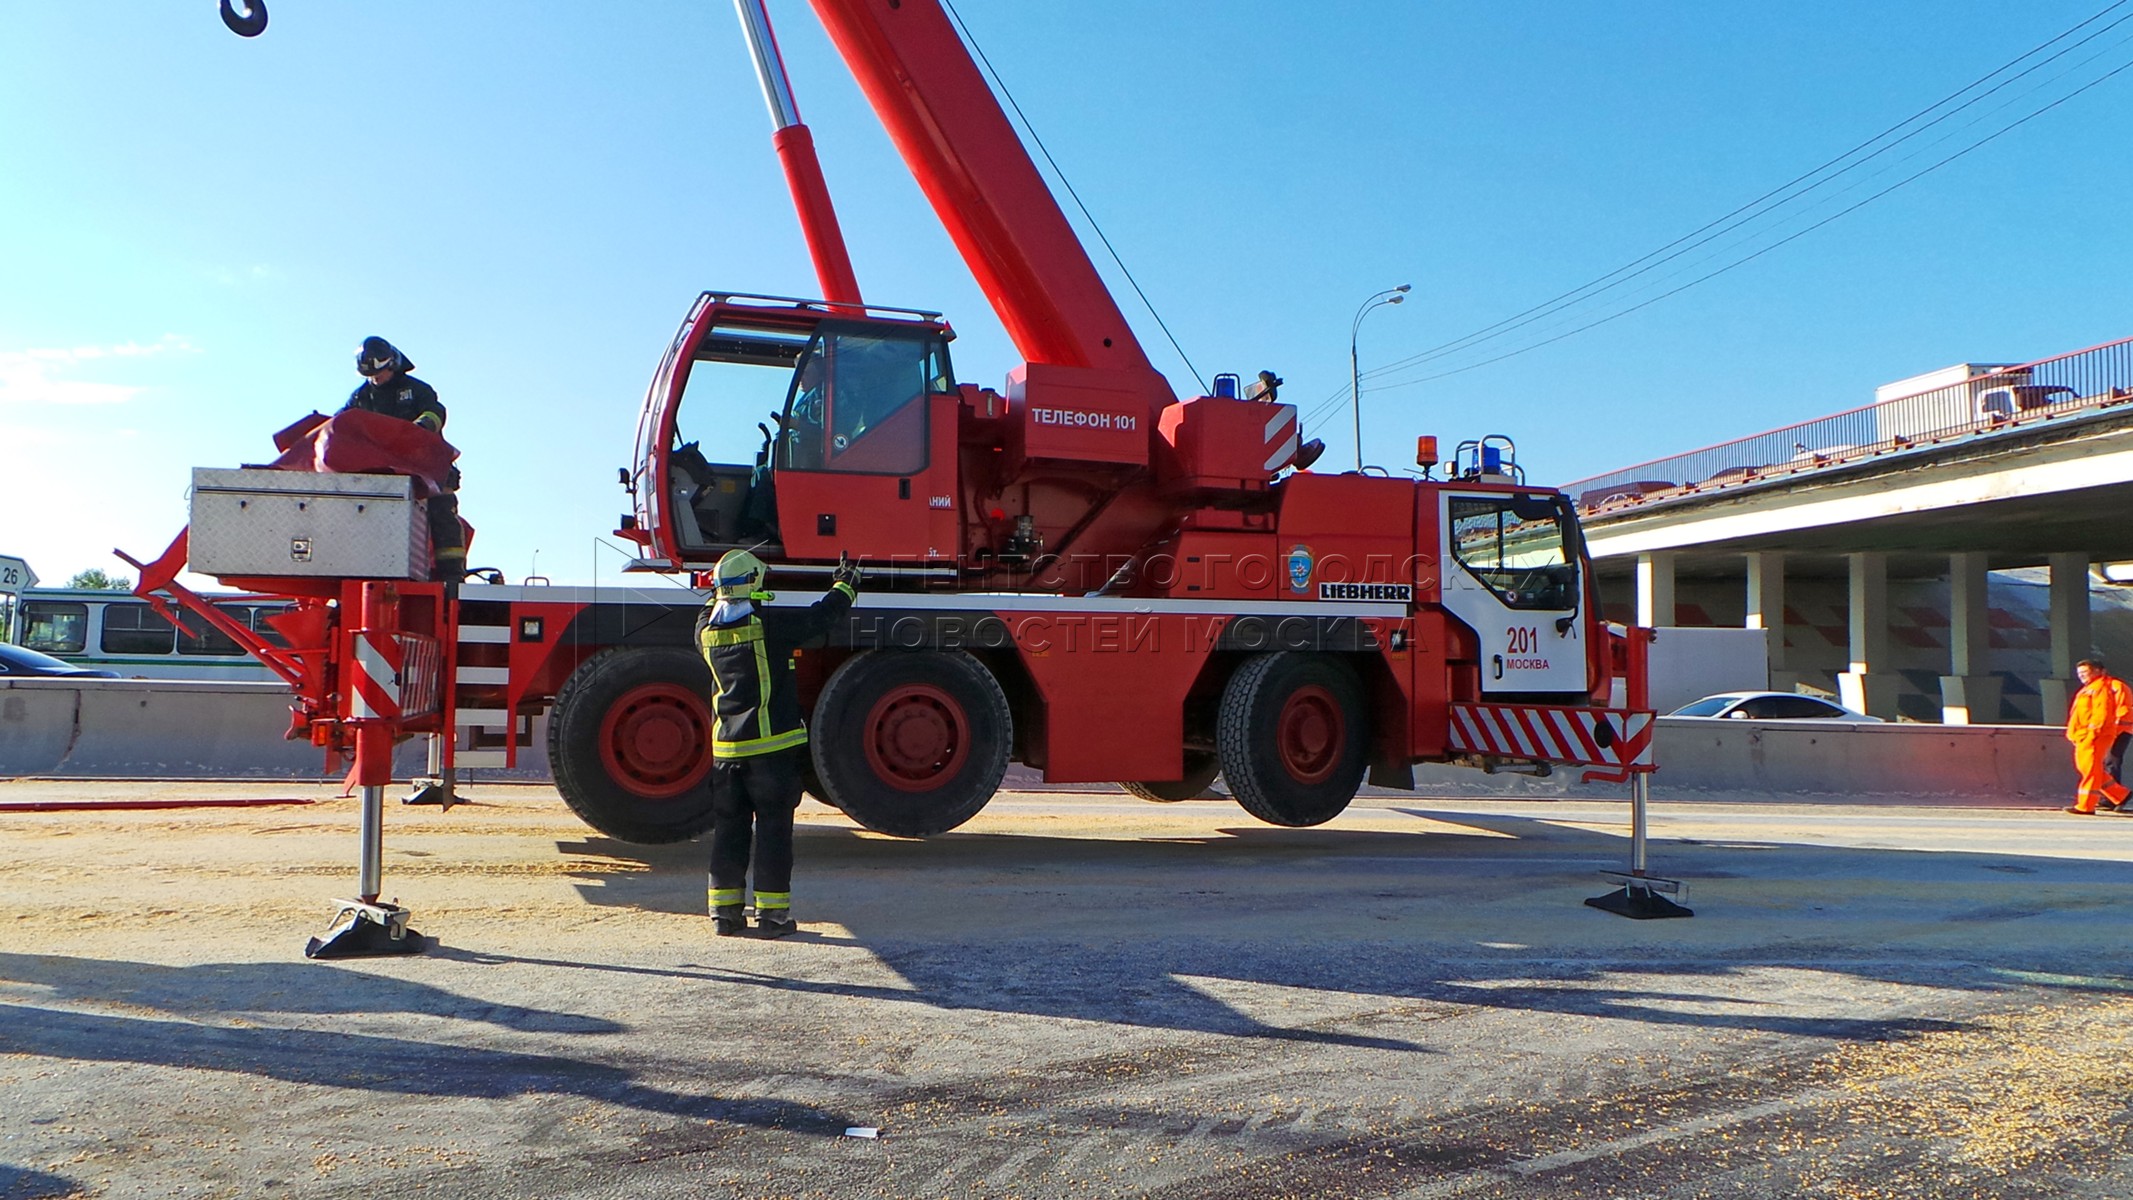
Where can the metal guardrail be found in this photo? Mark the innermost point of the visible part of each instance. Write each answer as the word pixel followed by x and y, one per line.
pixel 1983 405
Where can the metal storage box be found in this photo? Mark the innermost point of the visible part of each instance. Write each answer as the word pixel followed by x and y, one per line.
pixel 265 523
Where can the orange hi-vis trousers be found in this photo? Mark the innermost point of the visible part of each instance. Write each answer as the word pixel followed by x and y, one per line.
pixel 2096 782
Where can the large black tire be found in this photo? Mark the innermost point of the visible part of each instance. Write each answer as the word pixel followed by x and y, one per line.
pixel 910 742
pixel 630 743
pixel 1293 737
pixel 1200 771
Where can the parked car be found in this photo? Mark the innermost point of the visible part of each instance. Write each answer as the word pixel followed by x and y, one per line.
pixel 20 660
pixel 1769 706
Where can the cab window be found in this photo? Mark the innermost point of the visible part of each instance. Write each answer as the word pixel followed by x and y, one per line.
pixel 857 402
pixel 1517 547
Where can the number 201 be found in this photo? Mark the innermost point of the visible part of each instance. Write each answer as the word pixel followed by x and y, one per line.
pixel 1525 639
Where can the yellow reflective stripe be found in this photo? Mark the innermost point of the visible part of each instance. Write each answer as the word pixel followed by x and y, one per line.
pixel 850 592
pixel 754 746
pixel 733 637
pixel 725 897
pixel 765 900
pixel 762 679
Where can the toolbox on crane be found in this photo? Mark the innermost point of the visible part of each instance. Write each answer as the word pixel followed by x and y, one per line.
pixel 253 521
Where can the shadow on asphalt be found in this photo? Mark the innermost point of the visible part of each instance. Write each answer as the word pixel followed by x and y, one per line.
pixel 391 1066
pixel 1107 930
pixel 21 1183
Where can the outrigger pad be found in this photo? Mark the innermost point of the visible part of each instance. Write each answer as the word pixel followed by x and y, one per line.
pixel 1639 904
pixel 360 935
pixel 432 792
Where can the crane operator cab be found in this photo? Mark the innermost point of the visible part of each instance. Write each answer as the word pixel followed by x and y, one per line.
pixel 799 428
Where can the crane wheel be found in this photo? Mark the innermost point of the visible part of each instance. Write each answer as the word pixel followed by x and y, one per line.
pixel 1293 737
pixel 1200 772
pixel 630 743
pixel 910 743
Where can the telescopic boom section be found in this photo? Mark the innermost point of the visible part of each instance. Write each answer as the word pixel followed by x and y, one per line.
pixel 796 153
pixel 956 140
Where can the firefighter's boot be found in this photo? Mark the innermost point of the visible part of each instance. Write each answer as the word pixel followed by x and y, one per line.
pixel 775 922
pixel 729 920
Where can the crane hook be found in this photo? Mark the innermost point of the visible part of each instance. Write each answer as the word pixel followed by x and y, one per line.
pixel 251 23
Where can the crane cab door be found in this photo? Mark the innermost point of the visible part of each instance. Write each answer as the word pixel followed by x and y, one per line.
pixel 864 458
pixel 1510 573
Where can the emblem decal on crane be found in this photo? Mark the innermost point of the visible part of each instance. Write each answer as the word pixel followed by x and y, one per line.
pixel 1300 569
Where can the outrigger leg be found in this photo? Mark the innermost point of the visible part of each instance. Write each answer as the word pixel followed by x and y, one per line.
pixel 438 787
pixel 367 926
pixel 382 668
pixel 1642 896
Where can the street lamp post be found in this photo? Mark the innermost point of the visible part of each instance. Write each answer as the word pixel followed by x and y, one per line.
pixel 1355 373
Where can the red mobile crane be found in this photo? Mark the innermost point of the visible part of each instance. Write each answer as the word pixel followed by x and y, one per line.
pixel 1083 572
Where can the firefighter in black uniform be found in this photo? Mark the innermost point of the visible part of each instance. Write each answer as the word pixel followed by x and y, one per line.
pixel 390 390
pixel 759 737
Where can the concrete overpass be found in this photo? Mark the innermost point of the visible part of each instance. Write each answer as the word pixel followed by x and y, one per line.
pixel 1945 478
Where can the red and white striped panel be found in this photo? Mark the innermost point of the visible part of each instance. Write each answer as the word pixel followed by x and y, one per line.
pixel 1281 437
pixel 1546 733
pixel 374 691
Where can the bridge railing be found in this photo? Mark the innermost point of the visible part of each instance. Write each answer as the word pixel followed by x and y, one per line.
pixel 1983 405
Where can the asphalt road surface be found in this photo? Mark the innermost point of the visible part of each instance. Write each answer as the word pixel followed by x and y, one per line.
pixel 1077 995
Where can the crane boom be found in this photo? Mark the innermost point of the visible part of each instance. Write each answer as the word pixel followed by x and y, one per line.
pixel 984 187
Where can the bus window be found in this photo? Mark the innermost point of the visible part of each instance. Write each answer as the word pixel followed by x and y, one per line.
pixel 211 639
pixel 267 633
pixel 55 628
pixel 136 629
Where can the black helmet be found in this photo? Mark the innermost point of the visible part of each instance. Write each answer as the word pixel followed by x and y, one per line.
pixel 378 354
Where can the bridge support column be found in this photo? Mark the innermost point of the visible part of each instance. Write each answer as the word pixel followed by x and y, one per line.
pixel 2070 633
pixel 1766 611
pixel 1970 692
pixel 1864 688
pixel 1655 589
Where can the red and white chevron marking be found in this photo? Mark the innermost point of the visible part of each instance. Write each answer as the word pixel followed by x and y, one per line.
pixel 1545 733
pixel 1281 437
pixel 374 694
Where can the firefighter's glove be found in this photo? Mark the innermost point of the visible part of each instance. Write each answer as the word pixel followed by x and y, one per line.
pixel 431 422
pixel 847 573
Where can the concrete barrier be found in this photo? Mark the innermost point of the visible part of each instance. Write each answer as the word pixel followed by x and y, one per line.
pixel 151 728
pixel 38 719
pixel 1797 762
pixel 171 729
pixel 1960 764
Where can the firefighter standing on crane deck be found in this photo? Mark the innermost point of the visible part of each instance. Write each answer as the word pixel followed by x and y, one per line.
pixel 388 389
pixel 2102 711
pixel 758 737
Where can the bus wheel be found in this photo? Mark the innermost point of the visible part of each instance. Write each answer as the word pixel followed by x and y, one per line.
pixel 910 743
pixel 1200 771
pixel 1292 737
pixel 630 743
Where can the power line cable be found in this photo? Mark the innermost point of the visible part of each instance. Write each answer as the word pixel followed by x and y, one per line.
pixel 1761 206
pixel 1981 142
pixel 1076 196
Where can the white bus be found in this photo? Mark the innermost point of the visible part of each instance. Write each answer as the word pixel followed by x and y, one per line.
pixel 119 632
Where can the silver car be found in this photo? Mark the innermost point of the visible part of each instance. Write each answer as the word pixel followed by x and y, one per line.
pixel 1769 706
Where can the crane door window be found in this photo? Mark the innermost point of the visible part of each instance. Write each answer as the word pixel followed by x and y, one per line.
pixel 858 403
pixel 1515 545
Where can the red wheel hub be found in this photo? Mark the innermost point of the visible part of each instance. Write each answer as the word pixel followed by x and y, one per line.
pixel 917 737
pixel 1310 734
pixel 656 740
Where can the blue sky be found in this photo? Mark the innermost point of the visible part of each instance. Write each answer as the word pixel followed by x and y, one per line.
pixel 197 230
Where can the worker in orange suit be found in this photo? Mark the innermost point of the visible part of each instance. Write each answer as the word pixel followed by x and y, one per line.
pixel 2102 711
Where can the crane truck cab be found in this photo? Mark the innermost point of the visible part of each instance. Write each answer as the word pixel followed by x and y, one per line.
pixel 858 436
